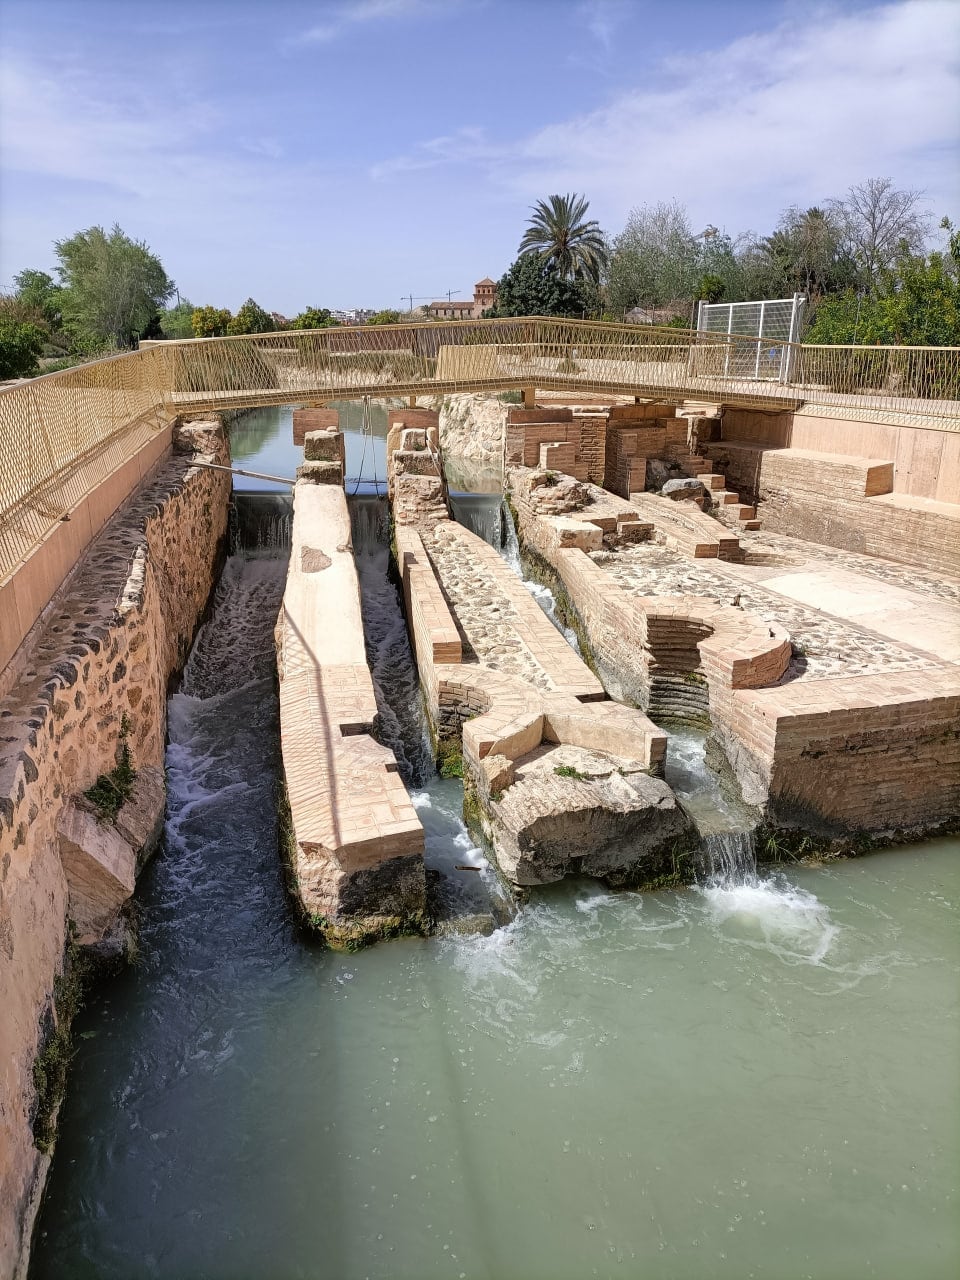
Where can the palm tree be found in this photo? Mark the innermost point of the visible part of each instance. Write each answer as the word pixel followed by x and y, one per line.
pixel 560 236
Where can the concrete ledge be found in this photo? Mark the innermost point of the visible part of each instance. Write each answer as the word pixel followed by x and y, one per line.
pixel 357 844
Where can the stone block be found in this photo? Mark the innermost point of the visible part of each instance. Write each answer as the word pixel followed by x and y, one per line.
pixel 323 446
pixel 321 473
pixel 100 867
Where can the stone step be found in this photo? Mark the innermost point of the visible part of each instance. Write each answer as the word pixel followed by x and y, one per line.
pixel 684 526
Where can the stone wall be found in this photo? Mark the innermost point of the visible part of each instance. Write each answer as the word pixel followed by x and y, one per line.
pixel 472 426
pixel 119 628
pixel 355 844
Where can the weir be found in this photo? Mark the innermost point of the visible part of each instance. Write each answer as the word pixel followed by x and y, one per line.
pixel 499 674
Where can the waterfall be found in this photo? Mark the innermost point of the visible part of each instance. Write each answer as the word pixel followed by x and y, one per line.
pixel 465 893
pixel 261 524
pixel 480 513
pixel 395 679
pixel 730 858
pixel 509 549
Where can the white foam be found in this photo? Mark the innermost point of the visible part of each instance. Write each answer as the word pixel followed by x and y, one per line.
pixel 776 913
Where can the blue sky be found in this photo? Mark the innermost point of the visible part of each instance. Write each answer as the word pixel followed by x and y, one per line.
pixel 346 152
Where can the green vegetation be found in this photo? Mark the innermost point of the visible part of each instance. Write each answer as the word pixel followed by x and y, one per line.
pixel 561 238
pixel 385 317
pixel 177 322
pixel 449 760
pixel 112 790
pixel 21 343
pixel 568 771
pixel 915 301
pixel 52 1063
pixel 251 318
pixel 533 288
pixel 314 318
pixel 111 291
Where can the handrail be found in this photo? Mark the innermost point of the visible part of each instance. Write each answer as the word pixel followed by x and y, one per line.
pixel 61 433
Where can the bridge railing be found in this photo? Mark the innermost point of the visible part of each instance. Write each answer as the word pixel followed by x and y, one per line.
pixel 62 433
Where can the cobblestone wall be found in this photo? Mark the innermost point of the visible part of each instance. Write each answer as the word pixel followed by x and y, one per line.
pixel 118 629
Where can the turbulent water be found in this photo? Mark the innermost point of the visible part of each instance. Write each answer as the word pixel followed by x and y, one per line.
pixel 750 1079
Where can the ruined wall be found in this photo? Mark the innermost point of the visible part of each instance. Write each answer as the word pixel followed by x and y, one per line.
pixel 471 426
pixel 118 629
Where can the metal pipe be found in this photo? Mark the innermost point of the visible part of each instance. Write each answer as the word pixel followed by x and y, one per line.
pixel 236 471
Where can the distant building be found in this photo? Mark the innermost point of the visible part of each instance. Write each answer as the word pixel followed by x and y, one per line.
pixel 484 297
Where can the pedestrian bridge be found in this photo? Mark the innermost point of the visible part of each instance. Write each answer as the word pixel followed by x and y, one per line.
pixel 63 434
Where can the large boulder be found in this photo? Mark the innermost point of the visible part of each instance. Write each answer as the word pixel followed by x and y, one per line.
pixel 573 811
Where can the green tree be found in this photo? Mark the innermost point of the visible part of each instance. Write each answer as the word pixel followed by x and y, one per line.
pixel 806 254
pixel 562 238
pixel 113 288
pixel 314 318
pixel 38 291
pixel 177 322
pixel 210 322
pixel 251 318
pixel 656 259
pixel 531 288
pixel 21 342
pixel 385 317
pixel 916 304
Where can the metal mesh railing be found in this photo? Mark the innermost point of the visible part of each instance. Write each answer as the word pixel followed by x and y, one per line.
pixel 63 433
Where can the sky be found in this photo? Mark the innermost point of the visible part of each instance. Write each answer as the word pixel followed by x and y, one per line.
pixel 344 153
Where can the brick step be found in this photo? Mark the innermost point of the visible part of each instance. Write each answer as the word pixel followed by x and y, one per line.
pixel 694 465
pixel 712 479
pixel 751 524
pixel 683 526
pixel 725 497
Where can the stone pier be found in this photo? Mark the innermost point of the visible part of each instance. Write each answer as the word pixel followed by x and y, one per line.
pixel 355 844
pixel 561 780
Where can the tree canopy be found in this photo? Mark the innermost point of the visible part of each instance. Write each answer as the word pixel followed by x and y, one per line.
pixel 112 288
pixel 531 288
pixel 560 235
pixel 916 304
pixel 314 318
pixel 251 318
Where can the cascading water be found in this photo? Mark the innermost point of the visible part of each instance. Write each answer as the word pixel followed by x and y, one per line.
pixel 464 889
pixel 480 513
pixel 509 548
pixel 242 1104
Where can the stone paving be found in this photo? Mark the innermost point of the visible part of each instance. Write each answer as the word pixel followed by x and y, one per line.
pixel 487 618
pixel 777 548
pixel 823 645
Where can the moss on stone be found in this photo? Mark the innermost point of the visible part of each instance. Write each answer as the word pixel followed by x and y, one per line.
pixel 112 790
pixel 51 1066
pixel 449 759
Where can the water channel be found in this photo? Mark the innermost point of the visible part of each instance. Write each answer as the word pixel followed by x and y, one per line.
pixel 752 1079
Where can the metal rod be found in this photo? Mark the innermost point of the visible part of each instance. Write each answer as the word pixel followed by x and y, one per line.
pixel 236 471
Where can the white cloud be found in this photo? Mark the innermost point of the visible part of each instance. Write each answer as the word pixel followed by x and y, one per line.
pixel 360 12
pixel 797 113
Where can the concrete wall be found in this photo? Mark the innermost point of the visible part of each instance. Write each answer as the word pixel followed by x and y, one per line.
pixel 926 460
pixel 103 483
pixel 106 649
